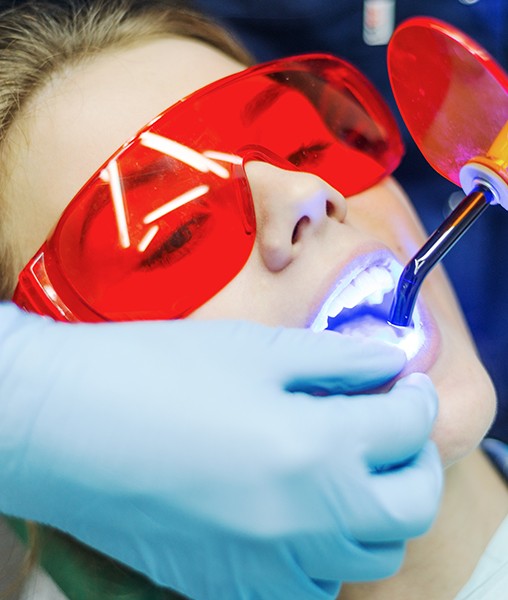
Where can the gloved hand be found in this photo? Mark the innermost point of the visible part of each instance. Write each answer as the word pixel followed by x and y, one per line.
pixel 192 452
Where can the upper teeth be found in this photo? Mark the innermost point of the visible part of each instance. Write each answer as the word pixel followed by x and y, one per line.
pixel 366 287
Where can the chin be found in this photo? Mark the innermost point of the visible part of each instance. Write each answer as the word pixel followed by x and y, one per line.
pixel 467 407
pixel 467 398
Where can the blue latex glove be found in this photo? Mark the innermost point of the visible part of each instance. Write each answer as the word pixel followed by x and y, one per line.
pixel 188 451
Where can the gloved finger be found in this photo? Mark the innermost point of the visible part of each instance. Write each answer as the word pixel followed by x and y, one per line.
pixel 311 568
pixel 278 566
pixel 10 318
pixel 305 361
pixel 383 559
pixel 401 503
pixel 18 327
pixel 399 422
pixel 333 557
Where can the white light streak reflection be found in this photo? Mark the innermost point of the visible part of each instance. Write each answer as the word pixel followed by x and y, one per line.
pixel 234 159
pixel 177 202
pixel 183 154
pixel 112 176
pixel 105 175
pixel 148 238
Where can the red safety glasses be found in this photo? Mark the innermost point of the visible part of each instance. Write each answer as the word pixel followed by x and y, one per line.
pixel 169 219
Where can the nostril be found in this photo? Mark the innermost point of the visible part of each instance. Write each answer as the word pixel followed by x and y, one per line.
pixel 299 227
pixel 331 209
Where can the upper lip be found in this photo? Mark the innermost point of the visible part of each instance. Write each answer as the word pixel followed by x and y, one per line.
pixel 368 277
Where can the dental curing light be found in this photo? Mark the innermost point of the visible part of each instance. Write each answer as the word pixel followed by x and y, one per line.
pixel 453 98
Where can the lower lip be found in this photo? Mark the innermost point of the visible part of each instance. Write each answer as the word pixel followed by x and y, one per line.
pixel 409 339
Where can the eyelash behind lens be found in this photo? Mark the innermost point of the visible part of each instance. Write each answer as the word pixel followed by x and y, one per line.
pixel 307 154
pixel 174 247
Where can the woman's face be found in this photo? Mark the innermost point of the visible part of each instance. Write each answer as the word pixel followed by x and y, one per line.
pixel 310 241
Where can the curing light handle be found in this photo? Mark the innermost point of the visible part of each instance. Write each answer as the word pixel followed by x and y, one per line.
pixel 434 249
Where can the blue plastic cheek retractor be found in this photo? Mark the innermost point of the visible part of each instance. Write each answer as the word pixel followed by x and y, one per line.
pixel 453 98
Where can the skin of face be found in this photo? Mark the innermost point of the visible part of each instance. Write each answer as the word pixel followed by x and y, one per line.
pixel 308 235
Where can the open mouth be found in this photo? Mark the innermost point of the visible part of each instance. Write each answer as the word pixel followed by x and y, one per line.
pixel 360 306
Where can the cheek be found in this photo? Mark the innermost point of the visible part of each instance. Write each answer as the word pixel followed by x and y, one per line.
pixel 248 296
pixel 257 295
pixel 385 213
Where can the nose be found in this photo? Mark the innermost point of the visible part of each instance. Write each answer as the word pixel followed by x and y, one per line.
pixel 291 207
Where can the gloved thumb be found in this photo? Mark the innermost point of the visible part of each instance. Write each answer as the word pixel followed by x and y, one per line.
pixel 305 361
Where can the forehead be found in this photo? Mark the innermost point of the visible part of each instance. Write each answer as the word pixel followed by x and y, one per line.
pixel 85 113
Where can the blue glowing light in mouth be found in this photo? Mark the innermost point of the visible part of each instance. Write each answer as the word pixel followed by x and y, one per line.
pixel 349 315
pixel 361 305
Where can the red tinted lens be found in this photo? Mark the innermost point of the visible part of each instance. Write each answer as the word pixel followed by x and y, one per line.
pixel 317 112
pixel 169 221
pixel 152 237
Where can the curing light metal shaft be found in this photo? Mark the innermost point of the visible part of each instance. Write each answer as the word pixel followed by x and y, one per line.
pixel 434 249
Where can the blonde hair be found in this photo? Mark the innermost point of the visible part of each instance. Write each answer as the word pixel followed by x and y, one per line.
pixel 37 39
